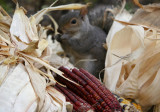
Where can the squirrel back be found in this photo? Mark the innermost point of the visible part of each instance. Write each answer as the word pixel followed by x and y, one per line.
pixel 101 16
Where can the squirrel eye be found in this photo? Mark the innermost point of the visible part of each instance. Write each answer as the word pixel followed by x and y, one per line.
pixel 74 21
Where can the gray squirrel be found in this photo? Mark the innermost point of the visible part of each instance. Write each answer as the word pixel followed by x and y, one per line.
pixel 83 37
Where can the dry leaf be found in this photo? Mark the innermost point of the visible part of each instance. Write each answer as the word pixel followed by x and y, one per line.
pixel 124 16
pixel 5 35
pixel 133 70
pixel 38 83
pixel 11 87
pixel 11 60
pixel 20 24
pixel 148 8
pixel 23 84
pixel 49 106
pixel 3 73
pixel 149 19
pixel 39 15
pixel 42 45
pixel 31 47
pixel 25 99
pixel 138 4
pixel 156 108
pixel 59 97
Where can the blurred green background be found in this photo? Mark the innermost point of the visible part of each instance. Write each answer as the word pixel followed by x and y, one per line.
pixel 33 6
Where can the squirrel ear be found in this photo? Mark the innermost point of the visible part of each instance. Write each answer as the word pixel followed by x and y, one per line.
pixel 83 12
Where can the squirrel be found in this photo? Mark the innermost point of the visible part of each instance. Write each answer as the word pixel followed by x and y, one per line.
pixel 83 37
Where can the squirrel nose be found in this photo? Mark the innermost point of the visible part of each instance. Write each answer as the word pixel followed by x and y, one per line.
pixel 58 37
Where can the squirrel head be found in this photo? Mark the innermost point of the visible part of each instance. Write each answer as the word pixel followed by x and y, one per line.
pixel 74 21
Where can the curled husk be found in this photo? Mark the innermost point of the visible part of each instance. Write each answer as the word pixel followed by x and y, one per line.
pixel 133 63
pixel 25 53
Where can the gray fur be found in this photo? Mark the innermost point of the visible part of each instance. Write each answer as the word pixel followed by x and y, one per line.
pixel 83 41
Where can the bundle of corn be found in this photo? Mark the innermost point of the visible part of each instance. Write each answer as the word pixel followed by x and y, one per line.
pixel 24 50
pixel 132 62
pixel 79 105
pixel 91 94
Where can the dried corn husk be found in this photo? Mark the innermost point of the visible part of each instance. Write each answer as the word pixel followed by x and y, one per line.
pixel 133 63
pixel 148 8
pixel 108 79
pixel 24 50
pixel 147 18
pixel 156 108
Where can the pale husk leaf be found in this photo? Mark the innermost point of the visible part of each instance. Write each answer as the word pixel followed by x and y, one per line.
pixel 39 14
pixel 3 73
pixel 122 44
pixel 148 15
pixel 136 64
pixel 110 75
pixel 5 20
pixel 5 35
pixel 23 47
pixel 58 97
pixel 25 99
pixel 20 20
pixel 38 83
pixel 11 87
pixel 149 19
pixel 116 26
pixel 132 61
pixel 49 106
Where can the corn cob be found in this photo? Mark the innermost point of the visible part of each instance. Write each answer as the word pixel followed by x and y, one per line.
pixel 104 103
pixel 77 97
pixel 93 85
pixel 70 96
pixel 73 87
pixel 77 89
pixel 79 104
pixel 82 93
pixel 84 84
pixel 81 100
pixel 67 98
pixel 108 94
pixel 94 92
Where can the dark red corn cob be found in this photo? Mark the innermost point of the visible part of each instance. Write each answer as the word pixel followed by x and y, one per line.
pixel 81 100
pixel 97 97
pixel 103 89
pixel 81 92
pixel 98 107
pixel 67 98
pixel 79 104
pixel 76 89
pixel 101 99
pixel 93 85
pixel 84 84
pixel 70 96
pixel 92 99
